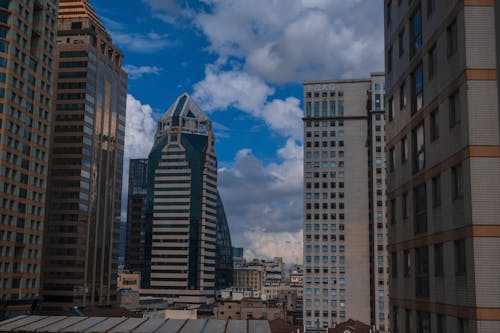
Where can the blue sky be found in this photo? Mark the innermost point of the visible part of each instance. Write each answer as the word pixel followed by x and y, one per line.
pixel 243 62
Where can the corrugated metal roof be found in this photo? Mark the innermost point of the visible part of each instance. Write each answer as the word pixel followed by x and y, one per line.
pixel 127 325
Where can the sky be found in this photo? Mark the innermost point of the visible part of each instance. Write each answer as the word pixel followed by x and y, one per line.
pixel 243 61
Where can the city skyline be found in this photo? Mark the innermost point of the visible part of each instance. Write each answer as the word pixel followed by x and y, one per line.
pixel 257 118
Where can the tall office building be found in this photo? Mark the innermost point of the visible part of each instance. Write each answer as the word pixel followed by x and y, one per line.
pixel 191 252
pixel 27 63
pixel 81 237
pixel 345 261
pixel 136 217
pixel 444 161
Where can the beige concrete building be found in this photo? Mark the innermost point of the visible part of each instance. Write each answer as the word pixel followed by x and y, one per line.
pixel 345 264
pixel 130 281
pixel 251 277
pixel 443 143
pixel 27 64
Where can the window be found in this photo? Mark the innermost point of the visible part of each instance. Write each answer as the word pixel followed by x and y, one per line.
pixel 404 150
pixel 416 32
pixel 463 325
pixel 392 159
pixel 401 40
pixel 395 325
pixel 452 38
pixel 431 7
pixel 394 264
pixel 434 125
pixel 457 181
pixel 438 260
pixel 388 12
pixel 436 191
pixel 420 208
pixel 441 323
pixel 389 60
pixel 422 271
pixel 391 108
pixel 402 97
pixel 407 321
pixel 454 104
pixel 432 58
pixel 460 262
pixel 404 205
pixel 393 211
pixel 423 322
pixel 418 148
pixel 406 263
pixel 417 89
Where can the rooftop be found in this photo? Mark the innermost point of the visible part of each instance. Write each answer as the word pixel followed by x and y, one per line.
pixel 125 325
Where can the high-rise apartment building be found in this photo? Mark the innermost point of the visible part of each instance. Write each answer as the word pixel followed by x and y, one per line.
pixel 81 237
pixel 136 218
pixel 443 144
pixel 345 261
pixel 27 63
pixel 191 251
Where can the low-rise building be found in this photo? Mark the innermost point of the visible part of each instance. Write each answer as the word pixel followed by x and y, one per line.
pixel 251 308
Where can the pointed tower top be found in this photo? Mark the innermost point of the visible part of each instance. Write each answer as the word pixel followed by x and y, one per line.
pixel 70 9
pixel 186 115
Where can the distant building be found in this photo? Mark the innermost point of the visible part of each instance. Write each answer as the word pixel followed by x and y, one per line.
pixel 81 239
pixel 352 326
pixel 251 277
pixel 443 185
pixel 130 281
pixel 345 232
pixel 135 249
pixel 190 252
pixel 28 64
pixel 251 309
pixel 238 259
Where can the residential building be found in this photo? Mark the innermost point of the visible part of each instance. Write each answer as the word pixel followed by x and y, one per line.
pixel 80 248
pixel 191 251
pixel 251 277
pixel 27 63
pixel 345 264
pixel 135 249
pixel 443 185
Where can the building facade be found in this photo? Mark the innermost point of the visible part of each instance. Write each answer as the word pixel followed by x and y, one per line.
pixel 136 217
pixel 80 251
pixel 27 62
pixel 344 270
pixel 444 159
pixel 184 211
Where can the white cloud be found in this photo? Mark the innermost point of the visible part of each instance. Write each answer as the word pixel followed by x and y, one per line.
pixel 142 43
pixel 137 72
pixel 140 128
pixel 221 90
pixel 309 39
pixel 264 199
pixel 275 244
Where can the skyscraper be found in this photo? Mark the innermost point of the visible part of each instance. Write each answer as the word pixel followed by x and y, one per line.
pixel 136 217
pixel 80 253
pixel 345 261
pixel 191 252
pixel 443 139
pixel 27 63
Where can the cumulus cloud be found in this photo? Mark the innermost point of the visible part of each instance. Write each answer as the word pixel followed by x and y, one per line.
pixel 221 90
pixel 275 244
pixel 309 39
pixel 263 199
pixel 137 72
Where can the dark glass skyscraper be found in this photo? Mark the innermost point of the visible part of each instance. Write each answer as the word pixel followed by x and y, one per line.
pixel 80 258
pixel 188 235
pixel 136 219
